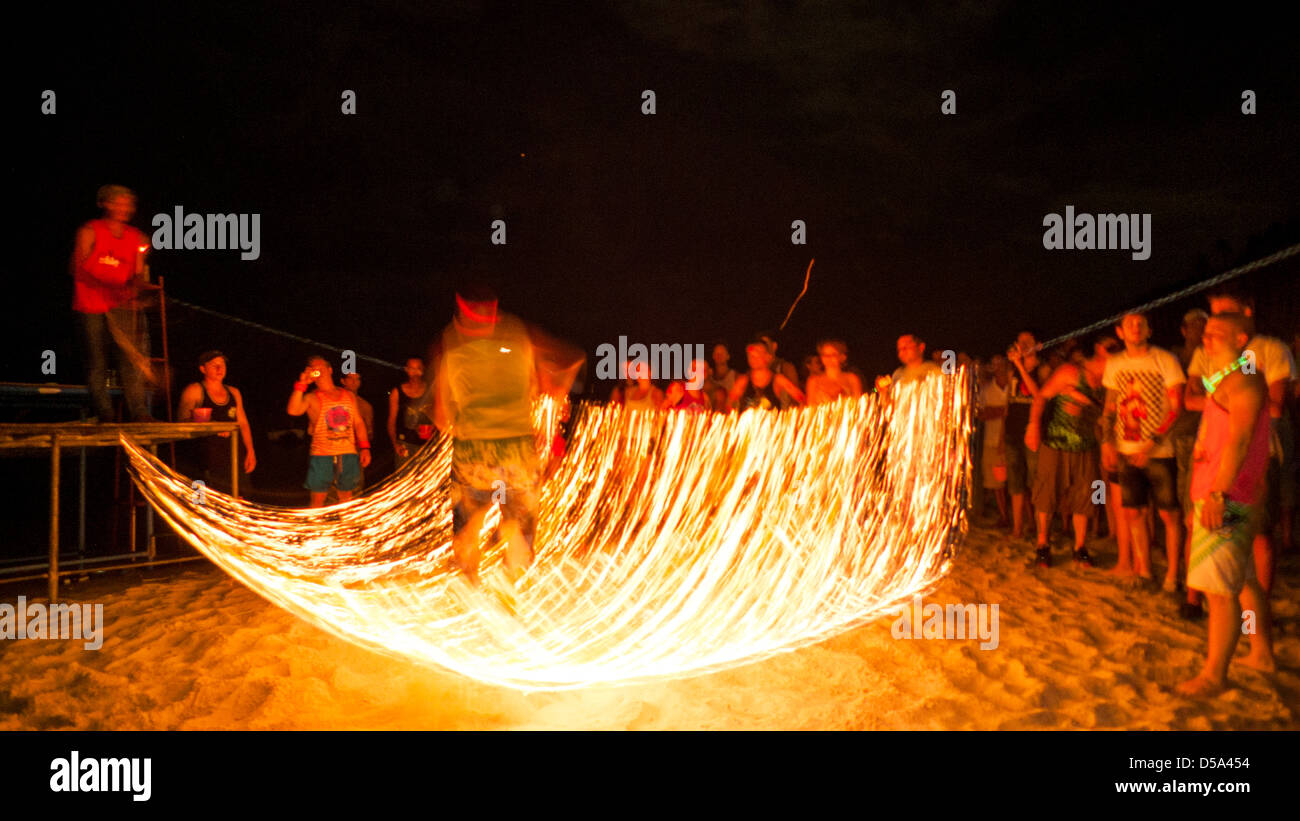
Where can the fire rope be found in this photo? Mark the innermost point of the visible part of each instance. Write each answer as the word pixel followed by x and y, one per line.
pixel 669 544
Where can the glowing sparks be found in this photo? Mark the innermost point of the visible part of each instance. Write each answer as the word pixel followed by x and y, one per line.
pixel 669 544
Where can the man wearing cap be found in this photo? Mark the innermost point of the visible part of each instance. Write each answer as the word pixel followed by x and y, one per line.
pixel 488 367
pixel 211 400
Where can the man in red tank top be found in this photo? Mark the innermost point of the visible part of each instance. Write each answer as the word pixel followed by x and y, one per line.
pixel 1229 461
pixel 106 264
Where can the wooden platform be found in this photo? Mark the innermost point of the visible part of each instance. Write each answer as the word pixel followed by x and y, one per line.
pixel 58 437
pixel 41 436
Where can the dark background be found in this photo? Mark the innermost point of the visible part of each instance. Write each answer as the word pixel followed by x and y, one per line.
pixel 666 228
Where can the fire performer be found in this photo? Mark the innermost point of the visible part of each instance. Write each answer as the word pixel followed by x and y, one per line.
pixel 107 264
pixel 488 367
pixel 1230 461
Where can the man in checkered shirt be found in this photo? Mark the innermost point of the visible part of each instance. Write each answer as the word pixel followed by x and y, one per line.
pixel 1144 387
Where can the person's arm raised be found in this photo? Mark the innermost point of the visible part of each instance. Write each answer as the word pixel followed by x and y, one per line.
pixel 557 362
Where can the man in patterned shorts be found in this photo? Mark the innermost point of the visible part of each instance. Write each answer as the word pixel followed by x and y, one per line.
pixel 1230 462
pixel 488 367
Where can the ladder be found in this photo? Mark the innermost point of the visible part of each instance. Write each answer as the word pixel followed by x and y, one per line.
pixel 162 379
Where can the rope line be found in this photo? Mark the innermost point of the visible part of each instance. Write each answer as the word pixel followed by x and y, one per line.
pixel 1103 323
pixel 278 332
pixel 1191 289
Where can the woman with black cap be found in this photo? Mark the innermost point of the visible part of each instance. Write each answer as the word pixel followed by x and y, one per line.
pixel 211 400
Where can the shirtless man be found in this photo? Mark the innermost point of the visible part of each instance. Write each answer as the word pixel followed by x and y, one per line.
pixel 340 441
pixel 833 382
pixel 1228 480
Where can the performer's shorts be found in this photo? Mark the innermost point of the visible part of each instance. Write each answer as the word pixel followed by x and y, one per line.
pixel 1064 481
pixel 342 471
pixel 504 471
pixel 1157 482
pixel 1022 464
pixel 1221 560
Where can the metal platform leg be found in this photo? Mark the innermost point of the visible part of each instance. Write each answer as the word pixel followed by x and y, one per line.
pixel 54 519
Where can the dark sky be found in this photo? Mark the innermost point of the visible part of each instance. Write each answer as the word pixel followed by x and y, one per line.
pixel 673 227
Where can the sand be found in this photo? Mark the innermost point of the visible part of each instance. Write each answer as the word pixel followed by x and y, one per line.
pixel 191 648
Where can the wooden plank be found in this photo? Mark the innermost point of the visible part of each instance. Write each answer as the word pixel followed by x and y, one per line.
pixel 40 436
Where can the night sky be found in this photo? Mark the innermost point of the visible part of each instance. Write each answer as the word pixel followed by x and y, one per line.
pixel 671 227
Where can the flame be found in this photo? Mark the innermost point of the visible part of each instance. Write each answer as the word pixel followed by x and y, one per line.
pixel 668 544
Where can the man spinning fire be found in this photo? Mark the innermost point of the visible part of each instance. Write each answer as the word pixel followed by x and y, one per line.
pixel 488 367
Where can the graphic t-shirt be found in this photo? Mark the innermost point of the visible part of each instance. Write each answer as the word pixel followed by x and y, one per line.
pixel 1142 384
pixel 106 279
pixel 333 434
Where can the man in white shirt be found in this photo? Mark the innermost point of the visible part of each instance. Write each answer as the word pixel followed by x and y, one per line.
pixel 1144 389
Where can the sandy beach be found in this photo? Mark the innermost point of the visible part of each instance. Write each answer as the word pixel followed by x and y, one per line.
pixel 191 648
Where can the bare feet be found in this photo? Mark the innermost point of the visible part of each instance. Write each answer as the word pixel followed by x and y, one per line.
pixel 1260 662
pixel 1122 570
pixel 1201 687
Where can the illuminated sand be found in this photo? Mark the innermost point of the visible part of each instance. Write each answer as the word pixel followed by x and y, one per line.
pixel 670 544
pixel 194 649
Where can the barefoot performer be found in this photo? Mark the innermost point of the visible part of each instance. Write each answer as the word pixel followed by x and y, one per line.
pixel 1230 461
pixel 488 367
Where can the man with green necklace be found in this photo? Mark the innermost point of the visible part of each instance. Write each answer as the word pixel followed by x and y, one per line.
pixel 1271 358
pixel 1230 461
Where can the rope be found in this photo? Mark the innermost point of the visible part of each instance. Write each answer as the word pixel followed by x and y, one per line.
pixel 278 332
pixel 801 293
pixel 1164 300
pixel 1103 323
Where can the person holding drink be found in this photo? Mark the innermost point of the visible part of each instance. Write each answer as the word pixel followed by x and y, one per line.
pixel 340 443
pixel 211 400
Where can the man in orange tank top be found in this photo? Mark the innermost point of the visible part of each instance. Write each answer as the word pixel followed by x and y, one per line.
pixel 340 442
pixel 1229 461
pixel 107 262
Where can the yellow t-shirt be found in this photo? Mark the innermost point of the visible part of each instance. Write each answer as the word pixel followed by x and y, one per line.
pixel 488 382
